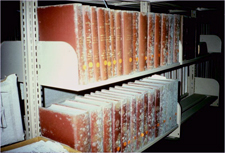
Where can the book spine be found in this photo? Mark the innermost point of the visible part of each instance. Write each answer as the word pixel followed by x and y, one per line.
pixel 127 41
pixel 94 30
pixel 81 123
pixel 108 43
pixel 164 40
pixel 102 42
pixel 157 40
pixel 142 56
pixel 88 42
pixel 107 129
pixel 113 42
pixel 145 141
pixel 157 114
pixel 170 39
pixel 140 122
pixel 119 55
pixel 150 41
pixel 80 45
pixel 176 38
pixel 135 41
pixel 151 104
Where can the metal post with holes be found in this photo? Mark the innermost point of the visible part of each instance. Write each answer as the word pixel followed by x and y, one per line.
pixel 32 93
pixel 191 80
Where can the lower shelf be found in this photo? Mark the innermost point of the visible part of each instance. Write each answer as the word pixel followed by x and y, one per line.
pixel 157 139
pixel 194 103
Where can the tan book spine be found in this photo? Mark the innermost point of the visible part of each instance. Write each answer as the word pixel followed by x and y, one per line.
pixel 164 40
pixel 113 41
pixel 135 41
pixel 102 42
pixel 150 41
pixel 108 43
pixel 94 30
pixel 88 42
pixel 170 39
pixel 82 63
pixel 176 38
pixel 157 40
pixel 127 41
pixel 119 59
pixel 142 57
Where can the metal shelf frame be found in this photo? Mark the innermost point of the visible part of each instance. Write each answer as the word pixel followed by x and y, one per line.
pixel 36 65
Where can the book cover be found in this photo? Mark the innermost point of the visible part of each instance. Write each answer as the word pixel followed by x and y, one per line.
pixel 102 43
pixel 119 55
pixel 157 42
pixel 88 42
pixel 142 56
pixel 150 40
pixel 135 41
pixel 95 116
pixel 113 42
pixel 116 119
pixel 108 43
pixel 66 125
pixel 52 22
pixel 127 48
pixel 107 110
pixel 94 39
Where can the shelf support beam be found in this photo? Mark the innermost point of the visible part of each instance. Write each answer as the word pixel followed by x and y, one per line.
pixel 32 92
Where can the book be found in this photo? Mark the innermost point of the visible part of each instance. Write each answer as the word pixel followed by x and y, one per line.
pixel 102 43
pixel 142 56
pixel 52 22
pixel 150 40
pixel 95 117
pixel 119 54
pixel 131 117
pixel 116 119
pixel 157 42
pixel 177 22
pixel 135 41
pixel 88 42
pixel 108 43
pixel 156 121
pixel 94 40
pixel 106 133
pixel 113 42
pixel 127 49
pixel 66 125
pixel 170 38
pixel 139 114
pixel 164 40
pixel 123 103
pixel 149 106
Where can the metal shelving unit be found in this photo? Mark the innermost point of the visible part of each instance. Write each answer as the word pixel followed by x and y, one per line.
pixel 39 57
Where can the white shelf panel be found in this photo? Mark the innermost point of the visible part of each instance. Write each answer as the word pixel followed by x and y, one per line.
pixel 59 68
pixel 156 139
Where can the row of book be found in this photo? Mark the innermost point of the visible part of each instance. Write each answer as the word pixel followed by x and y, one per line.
pixel 110 42
pixel 120 119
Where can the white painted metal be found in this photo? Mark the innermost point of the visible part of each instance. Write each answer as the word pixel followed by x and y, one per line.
pixel 176 132
pixel 29 37
pixel 11 59
pixel 213 43
pixel 207 86
pixel 156 140
pixel 59 68
pixel 145 7
pixel 191 80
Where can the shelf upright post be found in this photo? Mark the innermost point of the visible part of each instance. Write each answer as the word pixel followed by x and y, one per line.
pixel 32 92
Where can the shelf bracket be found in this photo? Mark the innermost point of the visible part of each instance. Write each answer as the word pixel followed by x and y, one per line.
pixel 176 133
pixel 32 92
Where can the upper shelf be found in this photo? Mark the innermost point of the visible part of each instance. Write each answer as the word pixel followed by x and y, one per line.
pixel 58 66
